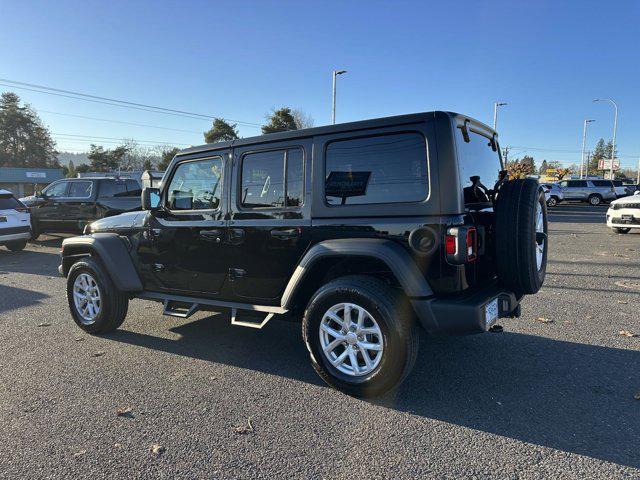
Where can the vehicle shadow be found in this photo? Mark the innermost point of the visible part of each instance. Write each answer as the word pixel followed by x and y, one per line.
pixel 568 396
pixel 12 298
pixel 30 261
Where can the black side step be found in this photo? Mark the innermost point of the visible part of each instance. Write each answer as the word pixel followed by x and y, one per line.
pixel 178 309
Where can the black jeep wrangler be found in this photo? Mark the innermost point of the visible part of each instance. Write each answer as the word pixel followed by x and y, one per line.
pixel 364 230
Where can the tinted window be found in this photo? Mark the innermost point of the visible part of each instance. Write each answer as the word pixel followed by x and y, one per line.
pixel 112 188
pixel 56 190
pixel 382 169
pixel 263 179
pixel 601 183
pixel 80 189
pixel 133 187
pixel 577 184
pixel 196 185
pixel 479 166
pixel 7 202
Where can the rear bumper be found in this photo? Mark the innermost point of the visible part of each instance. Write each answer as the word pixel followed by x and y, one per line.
pixel 466 314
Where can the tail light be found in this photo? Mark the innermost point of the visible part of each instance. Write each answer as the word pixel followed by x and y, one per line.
pixel 461 245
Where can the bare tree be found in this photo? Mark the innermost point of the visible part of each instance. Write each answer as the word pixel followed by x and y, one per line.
pixel 302 119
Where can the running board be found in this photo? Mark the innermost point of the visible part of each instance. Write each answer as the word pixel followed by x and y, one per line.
pixel 246 323
pixel 173 308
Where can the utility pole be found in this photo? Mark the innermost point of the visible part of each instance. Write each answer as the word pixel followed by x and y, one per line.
pixel 495 112
pixel 584 141
pixel 505 151
pixel 333 108
pixel 638 177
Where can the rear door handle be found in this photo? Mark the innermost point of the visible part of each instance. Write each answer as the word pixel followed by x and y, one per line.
pixel 213 235
pixel 284 234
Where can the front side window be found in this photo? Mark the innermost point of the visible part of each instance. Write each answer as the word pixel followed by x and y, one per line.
pixel 196 185
pixel 80 189
pixel 272 179
pixel 382 169
pixel 56 190
pixel 479 167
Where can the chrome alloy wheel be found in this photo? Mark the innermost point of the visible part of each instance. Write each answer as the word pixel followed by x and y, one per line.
pixel 541 235
pixel 86 297
pixel 351 339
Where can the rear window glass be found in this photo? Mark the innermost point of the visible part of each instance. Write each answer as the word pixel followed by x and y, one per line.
pixel 80 190
pixel 113 188
pixel 7 202
pixel 479 165
pixel 133 188
pixel 382 169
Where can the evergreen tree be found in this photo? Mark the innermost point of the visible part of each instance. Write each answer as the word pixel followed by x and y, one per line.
pixel 71 170
pixel 167 156
pixel 599 153
pixel 221 131
pixel 543 168
pixel 280 120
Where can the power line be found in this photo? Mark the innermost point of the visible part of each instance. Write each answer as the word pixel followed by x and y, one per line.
pixel 113 138
pixel 112 101
pixel 119 121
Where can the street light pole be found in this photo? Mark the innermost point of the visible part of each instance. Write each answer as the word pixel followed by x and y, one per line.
pixel 495 112
pixel 333 109
pixel 615 127
pixel 584 141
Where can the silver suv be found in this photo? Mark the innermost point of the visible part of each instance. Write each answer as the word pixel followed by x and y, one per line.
pixel 592 191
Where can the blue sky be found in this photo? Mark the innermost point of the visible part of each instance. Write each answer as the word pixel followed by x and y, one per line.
pixel 238 60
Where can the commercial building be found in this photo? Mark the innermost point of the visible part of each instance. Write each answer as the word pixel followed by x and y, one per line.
pixel 26 181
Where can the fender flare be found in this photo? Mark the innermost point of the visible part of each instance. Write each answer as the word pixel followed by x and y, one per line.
pixel 112 252
pixel 393 255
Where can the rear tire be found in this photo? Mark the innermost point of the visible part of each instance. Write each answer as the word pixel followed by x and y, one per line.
pixel 111 308
pixel 394 345
pixel 552 202
pixel 622 230
pixel 16 246
pixel 594 200
pixel 521 236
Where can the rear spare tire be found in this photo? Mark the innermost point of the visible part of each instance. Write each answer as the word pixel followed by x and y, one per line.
pixel 521 236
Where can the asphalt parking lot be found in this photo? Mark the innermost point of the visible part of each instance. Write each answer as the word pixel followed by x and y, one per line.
pixel 550 397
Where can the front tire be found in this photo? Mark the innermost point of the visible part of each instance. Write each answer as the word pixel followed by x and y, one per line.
pixel 361 336
pixel 552 202
pixel 622 230
pixel 17 246
pixel 96 305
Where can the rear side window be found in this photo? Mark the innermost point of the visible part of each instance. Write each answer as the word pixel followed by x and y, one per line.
pixel 113 188
pixel 601 183
pixel 479 165
pixel 381 169
pixel 8 202
pixel 272 179
pixel 80 189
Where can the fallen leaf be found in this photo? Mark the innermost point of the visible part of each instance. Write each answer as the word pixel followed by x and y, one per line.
pixel 79 453
pixel 544 320
pixel 79 339
pixel 627 333
pixel 117 445
pixel 623 302
pixel 637 396
pixel 125 412
pixel 44 324
pixel 244 429
pixel 156 450
pixel 99 354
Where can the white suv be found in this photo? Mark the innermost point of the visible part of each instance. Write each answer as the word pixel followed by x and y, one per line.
pixel 15 222
pixel 624 213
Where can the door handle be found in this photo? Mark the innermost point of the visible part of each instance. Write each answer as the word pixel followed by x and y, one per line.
pixel 284 234
pixel 213 235
pixel 236 235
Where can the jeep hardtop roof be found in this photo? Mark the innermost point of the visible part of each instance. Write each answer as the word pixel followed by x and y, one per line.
pixel 459 120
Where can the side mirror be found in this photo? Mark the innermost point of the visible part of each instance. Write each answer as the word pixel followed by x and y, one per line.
pixel 150 198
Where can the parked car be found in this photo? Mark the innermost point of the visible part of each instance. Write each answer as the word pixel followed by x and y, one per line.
pixel 553 194
pixel 592 191
pixel 15 225
pixel 621 189
pixel 68 205
pixel 624 213
pixel 366 230
pixel 632 188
